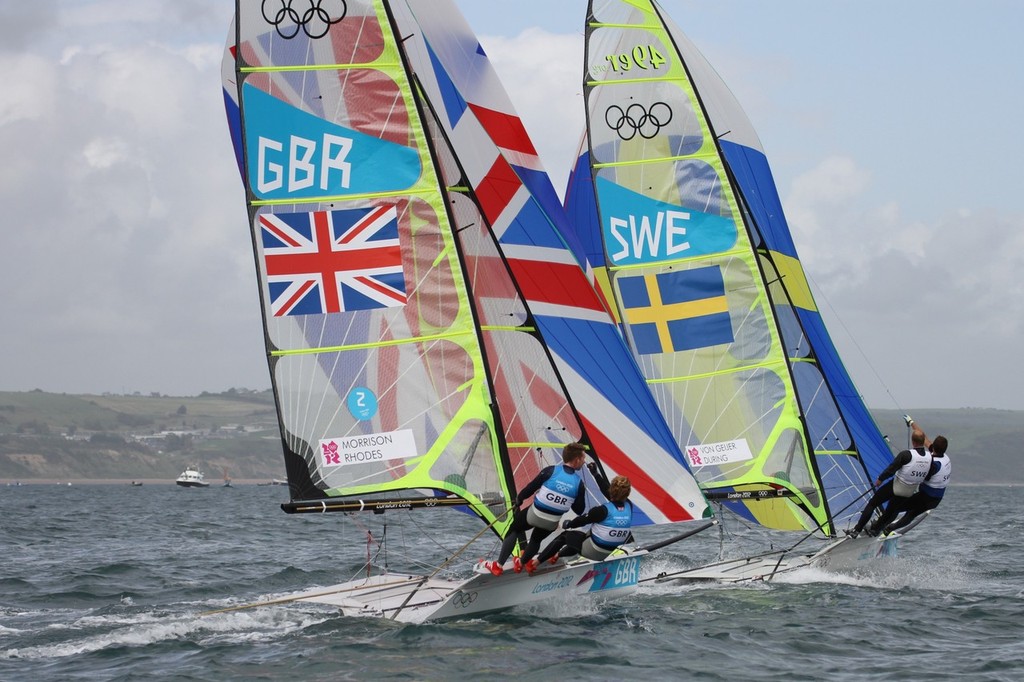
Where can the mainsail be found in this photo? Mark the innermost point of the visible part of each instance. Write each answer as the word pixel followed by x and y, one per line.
pixel 422 318
pixel 675 204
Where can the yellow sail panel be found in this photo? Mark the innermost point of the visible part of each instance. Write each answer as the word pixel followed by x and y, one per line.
pixel 684 271
pixel 792 273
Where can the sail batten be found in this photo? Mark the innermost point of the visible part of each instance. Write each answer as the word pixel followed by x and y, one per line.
pixel 418 304
pixel 713 300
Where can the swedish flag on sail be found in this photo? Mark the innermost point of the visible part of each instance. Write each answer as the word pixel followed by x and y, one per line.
pixel 676 311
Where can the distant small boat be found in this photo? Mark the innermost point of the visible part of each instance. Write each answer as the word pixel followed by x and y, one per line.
pixel 192 477
pixel 136 483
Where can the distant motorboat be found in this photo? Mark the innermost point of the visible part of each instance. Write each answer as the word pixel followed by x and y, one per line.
pixel 136 483
pixel 192 477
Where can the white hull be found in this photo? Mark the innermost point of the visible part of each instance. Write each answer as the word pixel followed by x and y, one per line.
pixel 844 554
pixel 409 598
pixel 191 477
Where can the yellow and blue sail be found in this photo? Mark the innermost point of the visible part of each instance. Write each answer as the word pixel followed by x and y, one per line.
pixel 674 207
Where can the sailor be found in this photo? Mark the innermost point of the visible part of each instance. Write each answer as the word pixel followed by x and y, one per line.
pixel 558 489
pixel 932 488
pixel 611 522
pixel 907 470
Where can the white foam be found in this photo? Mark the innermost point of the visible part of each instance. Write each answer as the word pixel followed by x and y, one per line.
pixel 130 630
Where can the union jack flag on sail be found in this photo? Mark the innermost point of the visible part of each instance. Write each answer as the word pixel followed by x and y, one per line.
pixel 332 261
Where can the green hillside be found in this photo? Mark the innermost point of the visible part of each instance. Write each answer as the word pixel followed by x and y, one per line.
pixel 68 437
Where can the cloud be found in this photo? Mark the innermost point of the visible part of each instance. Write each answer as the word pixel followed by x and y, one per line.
pixel 127 251
pixel 29 89
pixel 127 261
pixel 913 305
pixel 542 74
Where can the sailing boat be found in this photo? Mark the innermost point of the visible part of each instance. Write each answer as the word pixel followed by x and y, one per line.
pixel 674 203
pixel 431 341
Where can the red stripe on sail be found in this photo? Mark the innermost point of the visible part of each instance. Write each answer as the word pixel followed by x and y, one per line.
pixel 506 130
pixel 556 283
pixel 638 478
pixel 497 188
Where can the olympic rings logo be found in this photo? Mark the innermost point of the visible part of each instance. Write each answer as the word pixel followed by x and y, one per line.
pixel 638 120
pixel 463 599
pixel 315 21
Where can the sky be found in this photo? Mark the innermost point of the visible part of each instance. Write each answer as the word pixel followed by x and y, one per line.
pixel 892 129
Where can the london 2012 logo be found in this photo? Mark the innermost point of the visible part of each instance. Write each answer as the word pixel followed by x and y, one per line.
pixel 312 17
pixel 637 119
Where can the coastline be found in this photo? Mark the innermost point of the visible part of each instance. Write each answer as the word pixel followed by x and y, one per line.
pixel 127 481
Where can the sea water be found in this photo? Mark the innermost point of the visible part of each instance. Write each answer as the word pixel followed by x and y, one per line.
pixel 112 583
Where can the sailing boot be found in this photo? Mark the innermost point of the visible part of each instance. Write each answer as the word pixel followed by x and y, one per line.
pixel 531 565
pixel 517 564
pixel 494 567
pixel 553 559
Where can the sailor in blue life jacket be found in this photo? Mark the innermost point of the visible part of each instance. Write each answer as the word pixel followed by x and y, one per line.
pixel 933 487
pixel 557 489
pixel 611 523
pixel 907 470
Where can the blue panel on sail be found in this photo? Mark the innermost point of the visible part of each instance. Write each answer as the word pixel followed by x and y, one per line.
pixel 454 104
pixel 235 127
pixel 296 155
pixel 581 207
pixel 638 229
pixel 754 177
pixel 618 381
pixel 523 229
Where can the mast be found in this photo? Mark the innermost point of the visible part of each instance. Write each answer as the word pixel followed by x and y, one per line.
pixel 376 363
pixel 600 378
pixel 679 253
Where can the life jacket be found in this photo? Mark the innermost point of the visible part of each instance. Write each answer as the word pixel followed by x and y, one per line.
pixel 912 473
pixel 935 485
pixel 557 494
pixel 614 529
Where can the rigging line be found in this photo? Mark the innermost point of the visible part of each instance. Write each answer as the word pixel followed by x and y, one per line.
pixel 853 502
pixel 423 581
pixel 820 292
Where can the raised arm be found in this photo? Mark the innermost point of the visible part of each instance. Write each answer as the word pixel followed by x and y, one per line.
pixel 915 429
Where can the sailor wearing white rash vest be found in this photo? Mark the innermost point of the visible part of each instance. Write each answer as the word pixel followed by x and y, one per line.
pixel 932 489
pixel 907 470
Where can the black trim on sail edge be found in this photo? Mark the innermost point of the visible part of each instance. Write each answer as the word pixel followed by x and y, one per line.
pixel 300 482
pixel 761 494
pixel 759 250
pixel 530 321
pixel 375 505
pixel 429 123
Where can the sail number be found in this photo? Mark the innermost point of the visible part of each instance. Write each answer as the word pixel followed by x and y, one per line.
pixel 305 163
pixel 626 572
pixel 638 239
pixel 642 57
